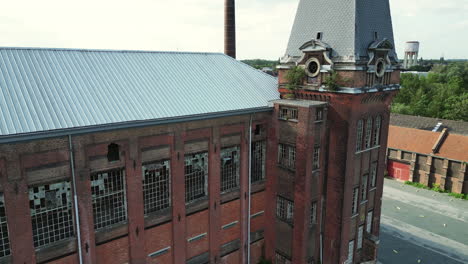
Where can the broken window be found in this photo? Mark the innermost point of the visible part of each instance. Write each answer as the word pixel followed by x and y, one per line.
pixel 367 140
pixel 109 198
pixel 285 209
pixel 113 153
pixel 287 156
pixel 281 259
pixel 156 186
pixel 196 176
pixel 364 187
pixel 354 207
pixel 287 113
pixel 360 127
pixel 51 212
pixel 373 174
pixel 230 168
pixel 313 213
pixel 4 239
pixel 258 161
pixel 316 161
pixel 377 125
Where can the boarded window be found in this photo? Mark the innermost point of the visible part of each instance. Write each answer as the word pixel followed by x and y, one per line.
pixel 230 168
pixel 288 113
pixel 368 137
pixel 377 125
pixel 316 161
pixel 392 153
pixel 109 198
pixel 369 219
pixel 196 176
pixel 407 156
pixel 282 259
pixel 453 169
pixel 156 186
pixel 258 161
pixel 4 239
pixel 438 165
pixel 360 237
pixel 284 209
pixel 360 128
pixel 313 213
pixel 421 160
pixel 51 212
pixel 354 206
pixel 364 187
pixel 373 172
pixel 287 156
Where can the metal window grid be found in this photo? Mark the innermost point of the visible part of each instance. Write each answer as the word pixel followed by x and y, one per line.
pixel 373 174
pixel 355 200
pixel 360 237
pixel 367 139
pixel 109 198
pixel 316 161
pixel 281 259
pixel 51 213
pixel 360 127
pixel 285 209
pixel 377 125
pixel 287 156
pixel 230 168
pixel 258 161
pixel 313 213
pixel 288 113
pixel 4 238
pixel 196 176
pixel 364 187
pixel 156 186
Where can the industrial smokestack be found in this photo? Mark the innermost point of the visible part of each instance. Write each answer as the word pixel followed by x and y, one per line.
pixel 230 28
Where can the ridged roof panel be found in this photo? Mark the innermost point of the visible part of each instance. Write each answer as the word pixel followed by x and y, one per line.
pixel 50 89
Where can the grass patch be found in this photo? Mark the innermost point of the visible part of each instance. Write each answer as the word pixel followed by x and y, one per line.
pixel 436 188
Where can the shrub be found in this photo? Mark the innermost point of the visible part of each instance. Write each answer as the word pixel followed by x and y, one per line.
pixel 295 77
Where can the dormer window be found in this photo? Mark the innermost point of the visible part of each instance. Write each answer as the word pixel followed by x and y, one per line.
pixel 376 35
pixel 319 35
pixel 313 67
pixel 380 68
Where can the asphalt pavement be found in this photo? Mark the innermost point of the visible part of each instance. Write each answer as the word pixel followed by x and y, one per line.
pixel 422 226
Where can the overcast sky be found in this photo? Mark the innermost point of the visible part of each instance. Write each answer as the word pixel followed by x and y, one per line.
pixel 197 25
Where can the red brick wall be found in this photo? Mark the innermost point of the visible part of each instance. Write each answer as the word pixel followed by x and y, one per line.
pixel 399 171
pixel 233 258
pixel 158 238
pixel 72 259
pixel 197 224
pixel 257 205
pixel 257 251
pixel 114 252
pixel 230 212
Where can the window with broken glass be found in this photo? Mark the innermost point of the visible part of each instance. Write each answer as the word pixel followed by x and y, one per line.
pixel 287 113
pixel 364 187
pixel 4 238
pixel 196 176
pixel 367 139
pixel 284 209
pixel 109 198
pixel 156 186
pixel 258 161
pixel 316 161
pixel 51 212
pixel 354 206
pixel 377 125
pixel 373 172
pixel 360 128
pixel 230 168
pixel 287 156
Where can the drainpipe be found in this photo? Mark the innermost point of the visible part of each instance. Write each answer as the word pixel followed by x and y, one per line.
pixel 75 199
pixel 249 189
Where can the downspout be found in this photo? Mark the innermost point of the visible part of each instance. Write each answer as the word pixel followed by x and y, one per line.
pixel 75 199
pixel 249 189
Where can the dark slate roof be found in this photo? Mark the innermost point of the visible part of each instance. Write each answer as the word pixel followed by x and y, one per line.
pixel 47 90
pixel 348 26
pixel 428 123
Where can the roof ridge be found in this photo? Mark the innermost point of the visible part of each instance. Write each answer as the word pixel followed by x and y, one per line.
pixel 110 50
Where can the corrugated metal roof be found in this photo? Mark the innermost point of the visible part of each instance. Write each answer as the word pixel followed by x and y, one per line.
pixel 53 89
pixel 347 26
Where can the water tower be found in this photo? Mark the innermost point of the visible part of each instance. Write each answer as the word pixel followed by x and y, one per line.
pixel 411 54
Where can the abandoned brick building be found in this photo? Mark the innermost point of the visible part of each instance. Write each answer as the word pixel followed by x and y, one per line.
pixel 160 157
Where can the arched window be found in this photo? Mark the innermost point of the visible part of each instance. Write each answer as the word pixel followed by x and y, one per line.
pixel 377 125
pixel 367 141
pixel 360 127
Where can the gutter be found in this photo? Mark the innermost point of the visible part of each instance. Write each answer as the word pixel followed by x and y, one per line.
pixel 125 125
pixel 75 199
pixel 249 190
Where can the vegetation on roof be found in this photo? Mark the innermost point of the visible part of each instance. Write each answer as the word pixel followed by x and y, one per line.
pixel 442 94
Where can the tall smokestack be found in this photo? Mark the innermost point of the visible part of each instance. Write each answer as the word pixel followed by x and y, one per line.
pixel 230 28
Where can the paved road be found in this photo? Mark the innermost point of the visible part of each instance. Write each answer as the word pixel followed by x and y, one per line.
pixel 422 226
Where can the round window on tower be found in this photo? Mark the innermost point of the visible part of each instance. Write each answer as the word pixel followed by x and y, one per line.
pixel 380 68
pixel 313 67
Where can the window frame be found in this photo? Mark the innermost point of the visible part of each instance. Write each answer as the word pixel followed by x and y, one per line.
pixel 225 187
pixel 368 134
pixel 359 134
pixel 287 156
pixel 205 177
pixel 5 245
pixel 257 164
pixel 146 186
pixel 285 209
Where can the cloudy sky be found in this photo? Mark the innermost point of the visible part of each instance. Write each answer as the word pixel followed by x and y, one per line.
pixel 197 25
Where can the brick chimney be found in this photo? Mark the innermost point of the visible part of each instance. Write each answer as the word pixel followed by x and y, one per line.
pixel 230 28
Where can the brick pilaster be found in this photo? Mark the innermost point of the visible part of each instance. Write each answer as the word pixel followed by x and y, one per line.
pixel 214 186
pixel 178 199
